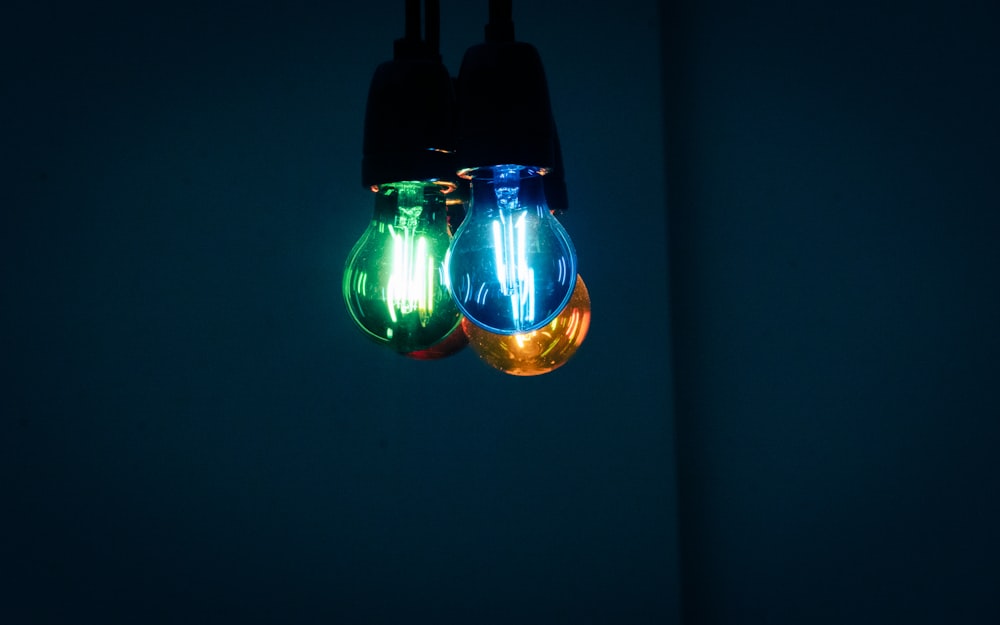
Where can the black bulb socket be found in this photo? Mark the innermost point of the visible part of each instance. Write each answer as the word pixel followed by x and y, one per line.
pixel 409 120
pixel 504 111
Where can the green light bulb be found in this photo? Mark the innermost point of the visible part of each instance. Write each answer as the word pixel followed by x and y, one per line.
pixel 394 278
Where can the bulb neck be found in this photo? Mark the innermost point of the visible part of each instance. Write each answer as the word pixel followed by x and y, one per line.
pixel 507 188
pixel 411 204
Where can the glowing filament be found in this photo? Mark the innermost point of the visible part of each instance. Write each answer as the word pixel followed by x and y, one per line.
pixel 510 248
pixel 411 284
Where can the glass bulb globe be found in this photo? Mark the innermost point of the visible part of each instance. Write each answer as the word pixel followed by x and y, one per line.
pixel 539 351
pixel 511 266
pixel 394 283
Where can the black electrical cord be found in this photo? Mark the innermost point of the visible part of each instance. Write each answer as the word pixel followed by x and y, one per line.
pixel 412 22
pixel 432 29
pixel 501 11
pixel 420 40
pixel 500 28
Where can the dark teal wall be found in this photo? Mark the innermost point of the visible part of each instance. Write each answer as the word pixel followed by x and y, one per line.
pixel 191 429
pixel 835 270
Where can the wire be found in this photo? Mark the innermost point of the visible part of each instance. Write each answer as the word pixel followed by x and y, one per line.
pixel 413 20
pixel 432 28
pixel 501 11
pixel 500 28
pixel 420 42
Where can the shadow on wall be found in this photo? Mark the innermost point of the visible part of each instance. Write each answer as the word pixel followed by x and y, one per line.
pixel 833 233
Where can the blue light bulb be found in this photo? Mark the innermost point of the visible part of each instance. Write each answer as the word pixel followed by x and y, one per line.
pixel 511 266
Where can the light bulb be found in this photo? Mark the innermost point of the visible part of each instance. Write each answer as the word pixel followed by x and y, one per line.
pixel 539 351
pixel 511 266
pixel 394 278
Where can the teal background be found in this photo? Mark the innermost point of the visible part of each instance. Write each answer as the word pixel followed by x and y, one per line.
pixel 785 412
pixel 193 430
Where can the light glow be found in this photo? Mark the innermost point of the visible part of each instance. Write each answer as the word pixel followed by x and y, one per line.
pixel 540 351
pixel 516 279
pixel 411 284
pixel 394 277
pixel 511 265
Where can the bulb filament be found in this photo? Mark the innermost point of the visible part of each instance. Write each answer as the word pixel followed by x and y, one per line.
pixel 516 277
pixel 411 284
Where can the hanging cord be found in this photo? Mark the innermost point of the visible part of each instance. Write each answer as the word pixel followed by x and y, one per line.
pixel 500 28
pixel 432 29
pixel 420 40
pixel 412 20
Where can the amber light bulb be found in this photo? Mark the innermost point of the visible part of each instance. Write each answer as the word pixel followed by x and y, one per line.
pixel 540 351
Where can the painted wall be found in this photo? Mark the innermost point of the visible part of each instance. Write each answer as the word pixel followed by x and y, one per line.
pixel 835 272
pixel 192 430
